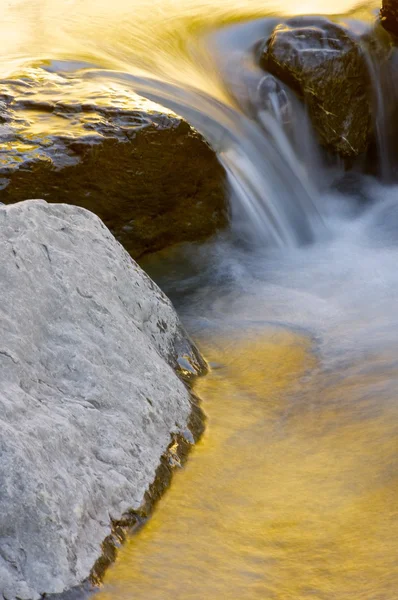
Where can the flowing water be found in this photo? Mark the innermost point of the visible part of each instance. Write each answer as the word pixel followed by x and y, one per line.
pixel 293 491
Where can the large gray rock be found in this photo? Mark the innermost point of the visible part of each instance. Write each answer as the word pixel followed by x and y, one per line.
pixel 89 397
pixel 141 168
pixel 323 63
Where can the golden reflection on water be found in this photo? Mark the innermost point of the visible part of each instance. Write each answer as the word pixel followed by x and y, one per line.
pixel 292 493
pixel 158 37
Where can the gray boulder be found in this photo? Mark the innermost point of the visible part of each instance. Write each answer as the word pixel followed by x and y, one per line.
pixel 89 396
pixel 326 66
pixel 141 168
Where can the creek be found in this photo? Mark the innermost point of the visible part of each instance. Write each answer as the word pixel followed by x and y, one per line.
pixel 293 491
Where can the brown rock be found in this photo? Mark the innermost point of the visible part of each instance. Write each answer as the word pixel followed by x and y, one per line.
pixel 389 15
pixel 326 66
pixel 142 169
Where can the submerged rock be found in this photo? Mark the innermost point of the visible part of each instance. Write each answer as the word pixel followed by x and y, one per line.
pixel 89 397
pixel 389 15
pixel 143 170
pixel 326 66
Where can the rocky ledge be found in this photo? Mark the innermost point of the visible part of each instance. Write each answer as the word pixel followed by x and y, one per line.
pixel 89 396
pixel 326 66
pixel 143 170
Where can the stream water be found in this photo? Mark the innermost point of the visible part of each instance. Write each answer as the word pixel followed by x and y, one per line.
pixel 293 491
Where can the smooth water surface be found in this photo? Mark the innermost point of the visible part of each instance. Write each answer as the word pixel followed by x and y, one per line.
pixel 292 494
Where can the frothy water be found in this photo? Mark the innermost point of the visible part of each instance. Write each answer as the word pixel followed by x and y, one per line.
pixel 340 291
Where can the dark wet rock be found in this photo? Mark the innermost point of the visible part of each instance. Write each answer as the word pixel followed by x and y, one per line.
pixel 142 169
pixel 325 66
pixel 389 15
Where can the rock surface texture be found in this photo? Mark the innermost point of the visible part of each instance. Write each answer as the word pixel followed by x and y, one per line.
pixel 143 170
pixel 89 398
pixel 389 15
pixel 325 65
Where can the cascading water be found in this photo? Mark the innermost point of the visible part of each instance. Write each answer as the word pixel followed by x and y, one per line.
pixel 292 494
pixel 271 193
pixel 178 55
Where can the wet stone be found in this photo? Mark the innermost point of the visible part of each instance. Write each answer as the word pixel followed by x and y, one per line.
pixel 325 65
pixel 142 169
pixel 389 15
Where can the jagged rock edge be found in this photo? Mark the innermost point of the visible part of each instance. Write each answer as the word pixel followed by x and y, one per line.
pixel 132 521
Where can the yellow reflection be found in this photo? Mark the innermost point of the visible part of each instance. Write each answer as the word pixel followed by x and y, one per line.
pixel 162 37
pixel 292 494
